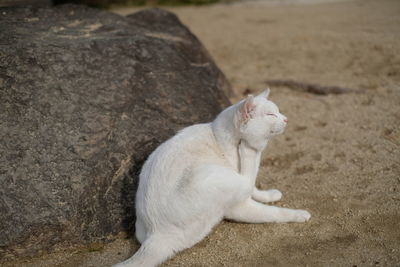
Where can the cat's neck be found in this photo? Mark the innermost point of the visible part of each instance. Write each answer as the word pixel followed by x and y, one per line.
pixel 226 135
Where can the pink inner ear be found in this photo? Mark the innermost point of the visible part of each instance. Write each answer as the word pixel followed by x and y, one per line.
pixel 247 108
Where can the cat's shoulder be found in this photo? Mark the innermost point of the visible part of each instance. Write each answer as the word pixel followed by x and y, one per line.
pixel 202 130
pixel 188 139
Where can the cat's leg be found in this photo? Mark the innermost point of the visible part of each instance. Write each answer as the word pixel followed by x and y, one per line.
pixel 164 243
pixel 249 164
pixel 251 211
pixel 169 239
pixel 224 186
pixel 266 196
pixel 153 251
pixel 196 207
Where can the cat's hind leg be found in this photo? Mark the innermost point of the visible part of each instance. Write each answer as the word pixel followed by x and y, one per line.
pixel 266 196
pixel 153 251
pixel 192 211
pixel 162 245
pixel 251 211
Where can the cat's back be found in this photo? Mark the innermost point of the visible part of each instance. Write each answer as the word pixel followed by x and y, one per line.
pixel 192 146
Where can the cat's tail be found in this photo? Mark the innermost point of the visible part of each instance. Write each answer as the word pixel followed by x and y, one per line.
pixel 153 251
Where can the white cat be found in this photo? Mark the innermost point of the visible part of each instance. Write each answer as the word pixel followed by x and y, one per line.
pixel 203 174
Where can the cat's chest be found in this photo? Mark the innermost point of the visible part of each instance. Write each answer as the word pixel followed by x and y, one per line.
pixel 231 159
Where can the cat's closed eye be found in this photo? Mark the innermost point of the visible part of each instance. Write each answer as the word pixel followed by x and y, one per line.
pixel 271 114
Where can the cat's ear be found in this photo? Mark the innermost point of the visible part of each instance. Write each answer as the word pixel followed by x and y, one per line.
pixel 246 109
pixel 265 93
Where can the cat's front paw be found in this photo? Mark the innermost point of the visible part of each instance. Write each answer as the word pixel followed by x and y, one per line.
pixel 301 216
pixel 274 195
pixel 266 196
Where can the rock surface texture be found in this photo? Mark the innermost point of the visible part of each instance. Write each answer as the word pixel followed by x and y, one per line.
pixel 85 96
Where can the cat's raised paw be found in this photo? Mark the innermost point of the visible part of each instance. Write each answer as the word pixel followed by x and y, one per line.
pixel 274 195
pixel 266 196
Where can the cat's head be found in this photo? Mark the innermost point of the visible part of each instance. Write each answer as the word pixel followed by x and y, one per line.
pixel 258 119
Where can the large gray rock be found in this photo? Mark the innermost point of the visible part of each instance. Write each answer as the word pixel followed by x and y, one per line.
pixel 85 96
pixel 35 3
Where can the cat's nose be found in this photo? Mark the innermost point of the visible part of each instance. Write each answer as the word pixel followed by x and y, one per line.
pixel 285 120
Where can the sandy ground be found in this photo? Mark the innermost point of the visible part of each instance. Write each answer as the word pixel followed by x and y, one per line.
pixel 340 155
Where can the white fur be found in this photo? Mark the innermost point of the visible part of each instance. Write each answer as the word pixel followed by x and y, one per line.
pixel 203 174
